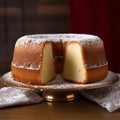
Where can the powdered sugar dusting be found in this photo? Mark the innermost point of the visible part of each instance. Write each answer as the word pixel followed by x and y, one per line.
pixel 88 66
pixel 30 67
pixel 96 65
pixel 38 38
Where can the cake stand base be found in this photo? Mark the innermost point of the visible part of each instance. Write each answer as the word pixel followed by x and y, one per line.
pixel 59 96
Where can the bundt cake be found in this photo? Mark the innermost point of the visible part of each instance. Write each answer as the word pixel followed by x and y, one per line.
pixel 79 58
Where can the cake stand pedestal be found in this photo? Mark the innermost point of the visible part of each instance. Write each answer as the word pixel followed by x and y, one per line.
pixel 59 95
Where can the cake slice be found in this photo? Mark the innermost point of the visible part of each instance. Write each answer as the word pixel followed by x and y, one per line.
pixel 33 63
pixel 84 62
pixel 47 71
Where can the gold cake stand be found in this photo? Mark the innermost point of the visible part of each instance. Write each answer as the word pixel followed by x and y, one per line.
pixel 59 90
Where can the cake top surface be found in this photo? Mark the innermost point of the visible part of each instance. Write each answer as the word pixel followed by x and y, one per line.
pixel 38 38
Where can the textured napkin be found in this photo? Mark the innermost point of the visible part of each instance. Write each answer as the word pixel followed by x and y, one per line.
pixel 13 96
pixel 108 97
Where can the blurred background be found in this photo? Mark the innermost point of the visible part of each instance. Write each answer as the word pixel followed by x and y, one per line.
pixel 20 17
pixel 98 17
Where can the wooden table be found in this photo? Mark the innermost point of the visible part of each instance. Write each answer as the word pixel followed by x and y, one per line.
pixel 75 110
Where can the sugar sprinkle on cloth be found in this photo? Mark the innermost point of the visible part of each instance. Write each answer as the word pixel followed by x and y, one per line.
pixel 13 96
pixel 108 97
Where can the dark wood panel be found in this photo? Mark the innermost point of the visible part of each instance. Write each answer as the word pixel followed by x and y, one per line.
pixel 10 3
pixel 46 18
pixel 2 38
pixel 10 11
pixel 52 9
pixel 52 2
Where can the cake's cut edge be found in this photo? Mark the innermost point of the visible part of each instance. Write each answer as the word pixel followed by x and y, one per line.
pixel 48 69
pixel 74 69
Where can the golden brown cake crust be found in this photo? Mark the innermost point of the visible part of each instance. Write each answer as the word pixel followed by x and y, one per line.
pixel 96 74
pixel 26 76
pixel 28 55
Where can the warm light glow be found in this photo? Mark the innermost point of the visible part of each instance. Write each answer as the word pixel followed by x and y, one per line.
pixel 70 96
pixel 50 97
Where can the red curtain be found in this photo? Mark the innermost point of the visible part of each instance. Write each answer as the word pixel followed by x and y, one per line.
pixel 102 18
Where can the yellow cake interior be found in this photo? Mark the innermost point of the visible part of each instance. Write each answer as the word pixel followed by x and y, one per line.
pixel 47 70
pixel 73 65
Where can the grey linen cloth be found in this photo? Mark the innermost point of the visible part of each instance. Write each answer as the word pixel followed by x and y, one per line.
pixel 108 97
pixel 13 96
